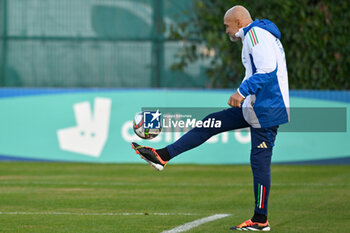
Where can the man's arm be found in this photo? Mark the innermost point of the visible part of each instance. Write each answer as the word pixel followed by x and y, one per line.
pixel 264 61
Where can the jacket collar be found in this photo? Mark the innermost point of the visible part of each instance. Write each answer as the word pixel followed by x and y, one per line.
pixel 243 31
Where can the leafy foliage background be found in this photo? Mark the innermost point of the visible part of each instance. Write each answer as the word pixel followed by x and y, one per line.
pixel 315 36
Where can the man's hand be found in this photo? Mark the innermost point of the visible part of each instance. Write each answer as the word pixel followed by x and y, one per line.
pixel 235 100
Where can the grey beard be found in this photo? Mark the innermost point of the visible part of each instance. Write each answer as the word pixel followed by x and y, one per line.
pixel 234 39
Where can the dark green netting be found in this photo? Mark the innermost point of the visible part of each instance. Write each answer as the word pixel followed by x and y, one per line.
pixel 92 43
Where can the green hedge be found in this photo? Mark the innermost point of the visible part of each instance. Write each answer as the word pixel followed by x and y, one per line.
pixel 314 36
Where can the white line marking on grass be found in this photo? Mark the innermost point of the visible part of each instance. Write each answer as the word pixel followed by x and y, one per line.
pixel 87 214
pixel 86 183
pixel 196 223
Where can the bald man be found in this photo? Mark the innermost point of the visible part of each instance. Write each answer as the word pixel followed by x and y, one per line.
pixel 261 103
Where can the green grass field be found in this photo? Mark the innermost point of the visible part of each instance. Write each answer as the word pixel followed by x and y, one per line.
pixel 63 197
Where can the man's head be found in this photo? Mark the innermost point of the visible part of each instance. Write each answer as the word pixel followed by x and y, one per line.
pixel 236 18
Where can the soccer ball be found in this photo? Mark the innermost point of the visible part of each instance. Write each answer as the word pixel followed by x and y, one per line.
pixel 141 131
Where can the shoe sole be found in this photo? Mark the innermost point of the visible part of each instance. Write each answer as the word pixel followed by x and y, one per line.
pixel 253 229
pixel 154 165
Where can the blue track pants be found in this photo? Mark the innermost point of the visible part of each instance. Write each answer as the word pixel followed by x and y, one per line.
pixel 262 142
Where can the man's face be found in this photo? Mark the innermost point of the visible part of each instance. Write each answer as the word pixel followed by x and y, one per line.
pixel 231 28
